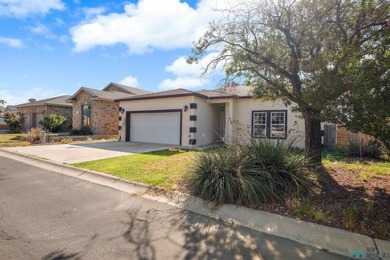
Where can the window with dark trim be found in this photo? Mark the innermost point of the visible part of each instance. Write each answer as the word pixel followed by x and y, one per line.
pixel 86 115
pixel 269 124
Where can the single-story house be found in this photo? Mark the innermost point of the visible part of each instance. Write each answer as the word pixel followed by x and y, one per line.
pixel 97 108
pixel 199 118
pixel 35 111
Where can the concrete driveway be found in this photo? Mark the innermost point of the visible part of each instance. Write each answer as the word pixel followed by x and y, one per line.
pixel 83 152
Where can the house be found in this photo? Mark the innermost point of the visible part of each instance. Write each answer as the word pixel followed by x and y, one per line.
pixel 97 108
pixel 199 118
pixel 35 111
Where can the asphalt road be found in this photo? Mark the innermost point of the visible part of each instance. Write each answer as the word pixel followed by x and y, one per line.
pixel 45 215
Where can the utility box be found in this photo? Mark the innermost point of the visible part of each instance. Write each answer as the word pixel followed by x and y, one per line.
pixel 43 137
pixel 330 137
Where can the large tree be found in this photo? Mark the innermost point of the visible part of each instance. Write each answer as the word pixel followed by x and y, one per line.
pixel 292 50
pixel 365 106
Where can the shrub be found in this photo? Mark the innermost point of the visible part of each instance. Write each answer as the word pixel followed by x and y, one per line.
pixel 362 148
pixel 33 136
pixel 66 140
pixel 248 174
pixel 53 122
pixel 14 121
pixel 84 130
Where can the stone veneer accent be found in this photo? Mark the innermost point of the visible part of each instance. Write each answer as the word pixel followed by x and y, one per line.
pixel 104 114
pixel 44 110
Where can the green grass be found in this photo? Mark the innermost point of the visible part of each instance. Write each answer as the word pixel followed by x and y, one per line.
pixel 366 169
pixel 163 169
pixel 9 140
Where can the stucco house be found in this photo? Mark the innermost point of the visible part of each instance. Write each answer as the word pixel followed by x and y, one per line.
pixel 199 118
pixel 97 108
pixel 35 111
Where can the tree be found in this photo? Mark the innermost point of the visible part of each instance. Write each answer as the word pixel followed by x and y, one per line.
pixel 2 101
pixel 365 107
pixel 14 121
pixel 53 122
pixel 292 50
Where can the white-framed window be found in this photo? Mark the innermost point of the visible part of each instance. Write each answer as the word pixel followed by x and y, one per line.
pixel 278 125
pixel 259 128
pixel 269 124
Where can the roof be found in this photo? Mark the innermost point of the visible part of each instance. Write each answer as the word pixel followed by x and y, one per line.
pixel 56 101
pixel 228 92
pixel 180 92
pixel 11 109
pixel 127 89
pixel 103 95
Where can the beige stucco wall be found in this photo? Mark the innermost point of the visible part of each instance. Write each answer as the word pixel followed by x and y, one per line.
pixel 161 104
pixel 207 123
pixel 242 118
pixel 104 114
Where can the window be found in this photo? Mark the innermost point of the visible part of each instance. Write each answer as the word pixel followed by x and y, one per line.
pixel 259 125
pixel 269 124
pixel 278 124
pixel 86 115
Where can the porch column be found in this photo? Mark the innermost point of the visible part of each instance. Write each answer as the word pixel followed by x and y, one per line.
pixel 229 121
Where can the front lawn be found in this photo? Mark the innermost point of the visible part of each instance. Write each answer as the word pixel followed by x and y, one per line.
pixel 10 140
pixel 162 169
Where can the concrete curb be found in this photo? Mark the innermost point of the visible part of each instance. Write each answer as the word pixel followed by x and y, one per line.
pixel 322 237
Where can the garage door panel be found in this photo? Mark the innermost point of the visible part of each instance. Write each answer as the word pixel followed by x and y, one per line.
pixel 162 127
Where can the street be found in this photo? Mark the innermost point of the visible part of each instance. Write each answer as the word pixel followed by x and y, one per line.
pixel 45 215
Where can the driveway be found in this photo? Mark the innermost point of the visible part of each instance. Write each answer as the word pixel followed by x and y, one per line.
pixel 75 153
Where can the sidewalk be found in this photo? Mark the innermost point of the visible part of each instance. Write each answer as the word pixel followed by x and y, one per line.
pixel 326 238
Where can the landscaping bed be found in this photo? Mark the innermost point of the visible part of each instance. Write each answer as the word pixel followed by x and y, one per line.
pixel 345 199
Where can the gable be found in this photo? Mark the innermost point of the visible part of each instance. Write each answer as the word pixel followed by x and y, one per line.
pixel 115 88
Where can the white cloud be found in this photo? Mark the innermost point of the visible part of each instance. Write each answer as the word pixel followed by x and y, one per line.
pixel 11 42
pixel 130 81
pixel 16 98
pixel 41 29
pixel 147 25
pixel 183 82
pixel 189 75
pixel 92 12
pixel 181 67
pixel 23 8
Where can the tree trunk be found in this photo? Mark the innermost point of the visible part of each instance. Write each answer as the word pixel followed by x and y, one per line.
pixel 313 139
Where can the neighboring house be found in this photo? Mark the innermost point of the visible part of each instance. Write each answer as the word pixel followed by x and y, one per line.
pixel 11 109
pixel 35 111
pixel 187 118
pixel 97 108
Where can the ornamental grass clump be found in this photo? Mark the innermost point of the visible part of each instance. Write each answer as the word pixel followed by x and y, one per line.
pixel 251 174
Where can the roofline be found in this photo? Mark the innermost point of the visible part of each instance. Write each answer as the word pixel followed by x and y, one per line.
pixel 78 91
pixel 226 97
pixel 165 96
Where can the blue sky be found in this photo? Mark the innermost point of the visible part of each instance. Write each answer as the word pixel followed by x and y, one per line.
pixel 53 47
